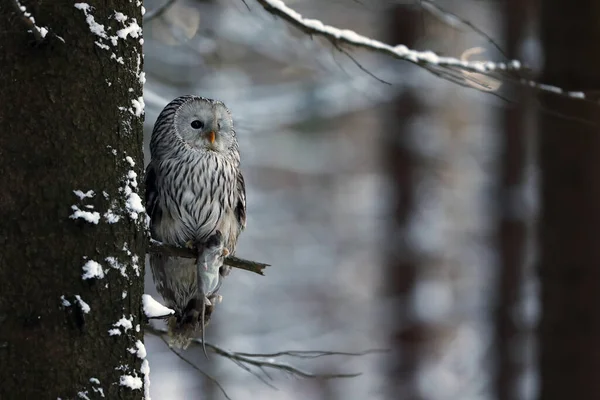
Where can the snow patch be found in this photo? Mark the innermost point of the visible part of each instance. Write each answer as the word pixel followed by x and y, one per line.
pixel 96 28
pixel 132 382
pixel 139 350
pixel 91 217
pixel 114 263
pixel 138 106
pixel 153 309
pixel 64 302
pixel 111 217
pixel 133 30
pixel 145 370
pixel 84 306
pixel 92 270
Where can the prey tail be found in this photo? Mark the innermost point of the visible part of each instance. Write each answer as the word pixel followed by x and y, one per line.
pixel 205 303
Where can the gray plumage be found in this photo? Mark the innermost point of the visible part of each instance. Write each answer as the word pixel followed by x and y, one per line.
pixel 195 194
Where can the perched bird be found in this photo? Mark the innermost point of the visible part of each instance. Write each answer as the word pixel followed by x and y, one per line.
pixel 195 197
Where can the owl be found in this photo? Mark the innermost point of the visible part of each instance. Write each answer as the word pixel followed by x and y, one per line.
pixel 195 197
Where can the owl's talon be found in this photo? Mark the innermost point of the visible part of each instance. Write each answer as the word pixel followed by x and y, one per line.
pixel 190 244
pixel 225 252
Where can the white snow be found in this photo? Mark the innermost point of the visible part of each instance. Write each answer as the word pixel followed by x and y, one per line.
pixel 132 382
pixel 111 217
pixel 124 323
pixel 83 395
pixel 91 217
pixel 120 16
pixel 130 161
pixel 95 381
pixel 43 31
pixel 139 350
pixel 84 306
pixel 114 263
pixel 134 264
pixel 145 370
pixel 134 204
pixel 153 308
pixel 114 332
pixel 92 270
pixel 138 106
pixel 64 302
pixel 133 30
pixel 95 28
pixel 577 95
pixel 113 56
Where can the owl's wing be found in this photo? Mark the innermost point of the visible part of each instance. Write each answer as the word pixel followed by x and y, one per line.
pixel 240 208
pixel 152 207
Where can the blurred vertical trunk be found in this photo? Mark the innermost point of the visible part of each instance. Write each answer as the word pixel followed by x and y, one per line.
pixel 401 263
pixel 569 231
pixel 512 224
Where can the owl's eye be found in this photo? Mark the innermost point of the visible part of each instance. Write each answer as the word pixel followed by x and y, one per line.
pixel 197 124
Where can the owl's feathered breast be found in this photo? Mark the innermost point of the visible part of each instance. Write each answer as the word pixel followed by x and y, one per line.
pixel 196 195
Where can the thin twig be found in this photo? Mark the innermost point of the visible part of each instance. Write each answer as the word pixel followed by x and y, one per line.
pixel 359 65
pixel 191 364
pixel 312 353
pixel 266 361
pixel 436 9
pixel 150 15
pixel 161 248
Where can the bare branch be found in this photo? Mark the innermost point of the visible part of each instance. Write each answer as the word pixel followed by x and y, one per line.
pixel 267 361
pixel 161 248
pixel 191 364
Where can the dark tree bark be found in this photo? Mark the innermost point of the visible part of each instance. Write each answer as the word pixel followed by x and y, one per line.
pixel 569 231
pixel 67 123
pixel 512 223
pixel 408 336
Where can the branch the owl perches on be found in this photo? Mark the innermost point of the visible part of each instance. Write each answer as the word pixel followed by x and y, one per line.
pixel 161 248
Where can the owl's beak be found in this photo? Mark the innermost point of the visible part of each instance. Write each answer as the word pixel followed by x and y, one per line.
pixel 211 137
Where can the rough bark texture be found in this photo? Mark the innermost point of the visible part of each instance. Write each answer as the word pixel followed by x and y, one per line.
pixel 570 216
pixel 61 130
pixel 512 223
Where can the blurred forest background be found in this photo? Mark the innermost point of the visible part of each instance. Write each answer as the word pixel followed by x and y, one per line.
pixel 408 216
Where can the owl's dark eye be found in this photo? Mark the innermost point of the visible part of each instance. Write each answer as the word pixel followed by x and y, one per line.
pixel 197 124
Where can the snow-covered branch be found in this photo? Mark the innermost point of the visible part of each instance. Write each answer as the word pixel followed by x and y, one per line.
pixel 348 37
pixel 240 263
pixel 39 33
pixel 449 68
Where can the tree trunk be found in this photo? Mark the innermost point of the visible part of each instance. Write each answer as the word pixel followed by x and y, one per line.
pixel 512 223
pixel 70 114
pixel 408 335
pixel 569 231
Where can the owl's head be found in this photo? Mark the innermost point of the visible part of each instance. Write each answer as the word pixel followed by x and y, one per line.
pixel 204 124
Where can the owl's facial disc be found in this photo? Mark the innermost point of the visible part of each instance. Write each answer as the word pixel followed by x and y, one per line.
pixel 205 126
